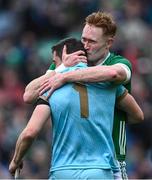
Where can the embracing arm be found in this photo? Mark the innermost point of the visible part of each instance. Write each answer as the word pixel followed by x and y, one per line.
pixel 115 73
pixel 32 89
pixel 131 107
pixel 39 117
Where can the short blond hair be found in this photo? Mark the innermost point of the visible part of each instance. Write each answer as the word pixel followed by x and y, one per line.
pixel 103 20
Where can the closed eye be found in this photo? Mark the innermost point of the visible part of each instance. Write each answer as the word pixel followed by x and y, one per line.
pixel 88 40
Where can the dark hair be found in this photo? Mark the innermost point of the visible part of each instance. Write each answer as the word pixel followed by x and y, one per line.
pixel 72 45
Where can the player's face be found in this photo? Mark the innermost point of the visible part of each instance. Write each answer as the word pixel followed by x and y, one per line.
pixel 56 59
pixel 95 43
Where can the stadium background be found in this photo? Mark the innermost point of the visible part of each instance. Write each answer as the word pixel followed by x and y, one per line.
pixel 28 28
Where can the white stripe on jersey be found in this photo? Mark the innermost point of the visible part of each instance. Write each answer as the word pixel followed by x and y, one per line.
pixel 122 138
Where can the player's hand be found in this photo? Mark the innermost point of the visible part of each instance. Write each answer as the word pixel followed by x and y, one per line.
pixel 51 84
pixel 73 58
pixel 13 166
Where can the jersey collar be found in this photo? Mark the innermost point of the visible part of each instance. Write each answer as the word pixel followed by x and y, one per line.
pixel 108 55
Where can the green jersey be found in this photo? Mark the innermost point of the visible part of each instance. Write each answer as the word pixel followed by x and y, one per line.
pixel 52 66
pixel 119 128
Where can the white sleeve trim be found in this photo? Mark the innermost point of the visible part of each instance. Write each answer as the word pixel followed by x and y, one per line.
pixel 60 68
pixel 48 71
pixel 127 70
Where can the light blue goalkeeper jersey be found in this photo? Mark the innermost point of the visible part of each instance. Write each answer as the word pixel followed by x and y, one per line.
pixel 82 118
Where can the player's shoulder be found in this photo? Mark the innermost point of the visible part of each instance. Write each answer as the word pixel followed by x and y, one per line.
pixel 115 58
pixel 52 66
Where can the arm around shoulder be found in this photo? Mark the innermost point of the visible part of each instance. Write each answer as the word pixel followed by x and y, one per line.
pixel 114 73
pixel 32 89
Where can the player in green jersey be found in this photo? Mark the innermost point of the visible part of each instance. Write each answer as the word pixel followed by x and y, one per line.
pixel 98 36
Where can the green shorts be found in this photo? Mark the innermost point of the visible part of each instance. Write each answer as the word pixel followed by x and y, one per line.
pixel 84 174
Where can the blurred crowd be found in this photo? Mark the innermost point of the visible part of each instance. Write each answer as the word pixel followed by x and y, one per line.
pixel 28 29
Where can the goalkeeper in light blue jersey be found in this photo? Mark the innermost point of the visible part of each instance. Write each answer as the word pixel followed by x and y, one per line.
pixel 82 122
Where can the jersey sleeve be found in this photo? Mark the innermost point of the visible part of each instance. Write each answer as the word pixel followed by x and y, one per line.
pixel 52 66
pixel 122 60
pixel 121 92
pixel 126 65
pixel 41 100
pixel 60 68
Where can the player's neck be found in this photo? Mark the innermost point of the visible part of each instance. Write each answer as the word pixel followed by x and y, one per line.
pixel 100 61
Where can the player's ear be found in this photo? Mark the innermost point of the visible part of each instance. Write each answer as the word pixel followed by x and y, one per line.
pixel 54 53
pixel 109 42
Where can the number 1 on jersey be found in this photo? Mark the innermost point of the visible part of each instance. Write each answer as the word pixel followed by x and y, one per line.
pixel 83 94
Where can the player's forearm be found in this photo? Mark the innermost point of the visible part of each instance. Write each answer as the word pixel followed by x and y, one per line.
pixel 23 143
pixel 31 91
pixel 96 74
pixel 135 115
pixel 131 107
